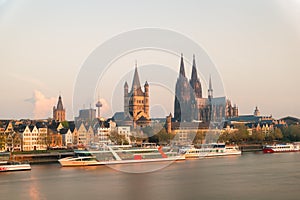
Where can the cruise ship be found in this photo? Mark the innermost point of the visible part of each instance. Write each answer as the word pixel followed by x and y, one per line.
pixel 122 154
pixel 210 150
pixel 281 148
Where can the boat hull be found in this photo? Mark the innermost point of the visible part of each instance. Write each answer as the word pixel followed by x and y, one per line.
pixel 221 154
pixel 66 163
pixel 281 148
pixel 211 150
pixel 19 167
pixel 210 154
pixel 278 151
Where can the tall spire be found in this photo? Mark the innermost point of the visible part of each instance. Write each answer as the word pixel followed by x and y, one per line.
pixel 210 90
pixel 126 85
pixel 59 104
pixel 182 71
pixel 136 80
pixel 59 113
pixel 194 70
pixel 195 82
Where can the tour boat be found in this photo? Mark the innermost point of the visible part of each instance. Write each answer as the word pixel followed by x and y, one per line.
pixel 14 166
pixel 112 155
pixel 281 148
pixel 210 150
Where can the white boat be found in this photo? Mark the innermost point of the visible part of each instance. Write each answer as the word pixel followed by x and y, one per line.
pixel 14 166
pixel 210 150
pixel 281 148
pixel 112 155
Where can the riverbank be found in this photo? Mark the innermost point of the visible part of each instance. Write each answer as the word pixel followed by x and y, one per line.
pixel 37 158
pixel 250 147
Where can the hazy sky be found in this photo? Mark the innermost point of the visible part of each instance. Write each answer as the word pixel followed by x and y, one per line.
pixel 253 43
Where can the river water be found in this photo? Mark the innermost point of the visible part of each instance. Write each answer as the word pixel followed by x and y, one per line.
pixel 250 176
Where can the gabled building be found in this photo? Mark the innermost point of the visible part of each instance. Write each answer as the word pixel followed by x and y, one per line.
pixel 54 136
pixel 34 138
pixel 75 136
pixel 82 134
pixel 90 135
pixel 9 128
pixel 125 130
pixel 103 129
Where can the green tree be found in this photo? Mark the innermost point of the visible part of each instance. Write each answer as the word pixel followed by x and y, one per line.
pixel 257 136
pixel 270 137
pixel 291 133
pixel 241 135
pixel 225 137
pixel 199 137
pixel 117 138
pixel 163 136
pixel 276 134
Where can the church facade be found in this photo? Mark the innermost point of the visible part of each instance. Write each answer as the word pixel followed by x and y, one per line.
pixel 136 102
pixel 190 105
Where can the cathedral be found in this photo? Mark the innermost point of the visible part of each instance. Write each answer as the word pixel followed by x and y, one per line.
pixel 190 105
pixel 136 102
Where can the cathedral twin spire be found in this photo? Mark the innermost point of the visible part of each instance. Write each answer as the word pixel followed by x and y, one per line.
pixel 188 93
pixel 194 81
pixel 194 69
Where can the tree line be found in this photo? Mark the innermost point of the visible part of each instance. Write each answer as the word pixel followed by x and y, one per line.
pixel 242 135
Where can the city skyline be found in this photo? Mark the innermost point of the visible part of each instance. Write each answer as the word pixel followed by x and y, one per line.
pixel 253 45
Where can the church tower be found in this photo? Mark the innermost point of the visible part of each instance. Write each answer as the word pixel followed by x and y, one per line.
pixel 195 82
pixel 256 112
pixel 59 113
pixel 196 94
pixel 182 103
pixel 136 102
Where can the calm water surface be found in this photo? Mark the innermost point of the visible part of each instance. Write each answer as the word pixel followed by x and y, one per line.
pixel 250 176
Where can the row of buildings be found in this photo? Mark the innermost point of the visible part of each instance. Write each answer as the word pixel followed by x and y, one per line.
pixel 28 135
pixel 193 114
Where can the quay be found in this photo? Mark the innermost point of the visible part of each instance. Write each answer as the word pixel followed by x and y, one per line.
pixel 33 158
pixel 250 147
pixel 54 156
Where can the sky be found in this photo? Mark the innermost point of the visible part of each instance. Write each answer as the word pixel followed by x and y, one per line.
pixel 253 44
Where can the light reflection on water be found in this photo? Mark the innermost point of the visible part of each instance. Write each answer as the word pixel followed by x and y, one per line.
pixel 250 176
